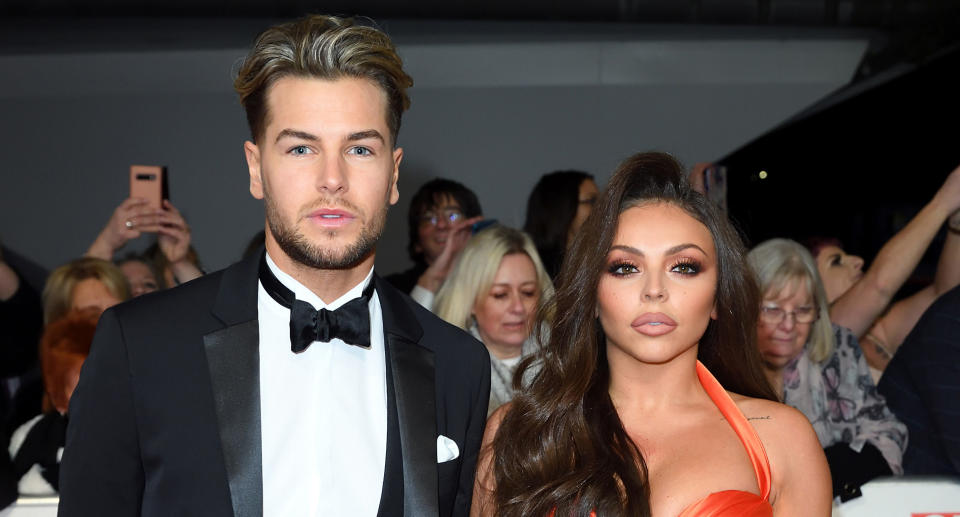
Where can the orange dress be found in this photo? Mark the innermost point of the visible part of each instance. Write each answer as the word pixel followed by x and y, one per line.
pixel 730 503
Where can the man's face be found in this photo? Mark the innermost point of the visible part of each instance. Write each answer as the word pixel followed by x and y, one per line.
pixel 326 169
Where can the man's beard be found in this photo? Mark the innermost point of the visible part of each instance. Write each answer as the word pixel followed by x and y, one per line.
pixel 296 246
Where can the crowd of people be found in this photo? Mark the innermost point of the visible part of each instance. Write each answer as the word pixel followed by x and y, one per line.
pixel 640 355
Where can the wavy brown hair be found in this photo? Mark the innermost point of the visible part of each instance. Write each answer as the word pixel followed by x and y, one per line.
pixel 562 447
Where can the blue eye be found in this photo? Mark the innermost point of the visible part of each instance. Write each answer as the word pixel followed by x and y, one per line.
pixel 299 150
pixel 361 151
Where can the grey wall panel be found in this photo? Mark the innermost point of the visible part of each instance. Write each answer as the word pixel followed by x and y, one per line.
pixel 72 125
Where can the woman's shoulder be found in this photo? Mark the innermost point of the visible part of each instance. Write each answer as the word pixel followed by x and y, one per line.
pixel 792 448
pixel 774 422
pixel 780 421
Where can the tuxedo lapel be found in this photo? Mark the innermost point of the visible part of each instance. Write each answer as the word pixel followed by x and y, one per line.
pixel 412 369
pixel 233 359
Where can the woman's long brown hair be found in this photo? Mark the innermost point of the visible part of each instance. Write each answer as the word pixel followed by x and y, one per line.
pixel 562 449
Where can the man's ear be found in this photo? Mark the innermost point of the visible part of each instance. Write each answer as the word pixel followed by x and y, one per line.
pixel 394 190
pixel 252 153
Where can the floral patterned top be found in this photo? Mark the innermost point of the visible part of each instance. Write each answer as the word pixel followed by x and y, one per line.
pixel 840 399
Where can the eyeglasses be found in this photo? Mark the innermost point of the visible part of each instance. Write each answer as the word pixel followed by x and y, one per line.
pixel 450 216
pixel 775 315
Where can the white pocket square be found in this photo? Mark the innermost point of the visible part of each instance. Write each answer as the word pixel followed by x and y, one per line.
pixel 446 449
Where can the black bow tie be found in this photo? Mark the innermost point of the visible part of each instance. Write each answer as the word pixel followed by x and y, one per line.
pixel 351 322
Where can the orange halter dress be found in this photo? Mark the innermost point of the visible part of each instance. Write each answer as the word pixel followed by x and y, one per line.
pixel 730 503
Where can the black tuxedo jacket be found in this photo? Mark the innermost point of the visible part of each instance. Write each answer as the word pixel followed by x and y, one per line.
pixel 166 417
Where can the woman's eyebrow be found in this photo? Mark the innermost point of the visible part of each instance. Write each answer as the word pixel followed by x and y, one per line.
pixel 628 249
pixel 680 247
pixel 676 249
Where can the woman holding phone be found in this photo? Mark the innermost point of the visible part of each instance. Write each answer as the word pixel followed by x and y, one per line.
pixel 629 413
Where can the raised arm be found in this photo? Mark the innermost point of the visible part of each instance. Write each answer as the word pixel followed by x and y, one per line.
pixel 857 308
pixel 130 219
pixel 892 328
pixel 436 274
pixel 173 237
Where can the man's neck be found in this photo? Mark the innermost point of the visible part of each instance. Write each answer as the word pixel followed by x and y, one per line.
pixel 328 284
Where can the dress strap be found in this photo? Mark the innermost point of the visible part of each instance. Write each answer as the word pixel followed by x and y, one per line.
pixel 747 434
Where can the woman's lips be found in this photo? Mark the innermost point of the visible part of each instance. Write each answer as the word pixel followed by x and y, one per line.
pixel 522 325
pixel 654 324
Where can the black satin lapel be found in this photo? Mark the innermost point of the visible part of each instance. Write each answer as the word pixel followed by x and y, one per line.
pixel 236 300
pixel 414 385
pixel 234 361
pixel 391 495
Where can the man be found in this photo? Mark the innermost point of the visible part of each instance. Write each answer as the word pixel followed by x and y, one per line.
pixel 441 214
pixel 921 386
pixel 215 398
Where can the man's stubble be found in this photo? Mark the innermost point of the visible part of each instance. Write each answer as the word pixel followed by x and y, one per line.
pixel 296 245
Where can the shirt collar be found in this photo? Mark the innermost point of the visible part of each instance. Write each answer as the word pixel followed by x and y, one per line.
pixel 301 292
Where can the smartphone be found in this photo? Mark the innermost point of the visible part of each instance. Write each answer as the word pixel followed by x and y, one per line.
pixel 149 182
pixel 482 225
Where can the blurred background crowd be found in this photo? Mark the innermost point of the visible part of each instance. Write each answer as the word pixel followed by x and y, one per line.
pixel 851 207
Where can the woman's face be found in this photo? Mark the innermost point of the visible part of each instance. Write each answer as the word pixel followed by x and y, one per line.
pixel 140 277
pixel 586 197
pixel 92 294
pixel 506 312
pixel 781 342
pixel 838 270
pixel 657 294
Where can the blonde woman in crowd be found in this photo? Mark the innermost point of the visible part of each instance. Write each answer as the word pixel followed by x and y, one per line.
pixel 84 283
pixel 494 291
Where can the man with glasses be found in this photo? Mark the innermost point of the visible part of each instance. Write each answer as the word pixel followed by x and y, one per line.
pixel 441 215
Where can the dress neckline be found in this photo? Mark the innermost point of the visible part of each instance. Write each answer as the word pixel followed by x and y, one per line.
pixel 745 432
pixel 734 502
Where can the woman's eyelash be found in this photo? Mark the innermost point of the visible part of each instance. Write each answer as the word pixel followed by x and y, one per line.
pixel 686 267
pixel 621 268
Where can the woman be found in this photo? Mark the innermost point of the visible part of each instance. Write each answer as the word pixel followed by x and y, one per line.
pixel 819 369
pixel 494 291
pixel 622 419
pixel 860 300
pixel 36 446
pixel 84 283
pixel 557 207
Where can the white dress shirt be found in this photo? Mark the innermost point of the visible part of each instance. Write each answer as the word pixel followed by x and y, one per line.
pixel 323 413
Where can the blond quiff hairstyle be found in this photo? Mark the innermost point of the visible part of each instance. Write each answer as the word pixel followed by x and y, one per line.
pixel 321 47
